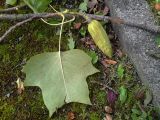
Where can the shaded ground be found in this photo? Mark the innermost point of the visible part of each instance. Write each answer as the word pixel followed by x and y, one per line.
pixel 34 38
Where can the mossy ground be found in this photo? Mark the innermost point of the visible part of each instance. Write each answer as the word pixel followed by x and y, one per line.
pixel 36 37
pixel 20 45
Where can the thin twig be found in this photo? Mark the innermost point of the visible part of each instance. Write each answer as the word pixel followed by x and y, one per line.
pixel 16 17
pixel 13 27
pixel 140 107
pixel 147 27
pixel 104 86
pixel 12 9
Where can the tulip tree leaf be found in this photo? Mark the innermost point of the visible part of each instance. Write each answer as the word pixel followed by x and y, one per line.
pixel 11 2
pixel 61 77
pixel 38 5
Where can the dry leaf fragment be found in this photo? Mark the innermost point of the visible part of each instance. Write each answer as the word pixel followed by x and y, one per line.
pixel 157 6
pixel 107 62
pixel 106 10
pixel 77 25
pixel 89 42
pixel 111 62
pixel 20 86
pixel 108 117
pixel 104 64
pixel 140 94
pixel 108 109
pixel 119 53
pixel 70 116
pixel 92 3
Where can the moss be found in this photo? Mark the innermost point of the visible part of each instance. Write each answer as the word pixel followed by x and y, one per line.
pixel 4 55
pixel 26 41
pixel 101 97
pixel 31 39
pixel 6 110
pixel 94 116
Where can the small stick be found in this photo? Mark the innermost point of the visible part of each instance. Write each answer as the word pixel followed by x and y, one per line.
pixel 150 28
pixel 11 9
pixel 14 27
pixel 16 17
pixel 104 86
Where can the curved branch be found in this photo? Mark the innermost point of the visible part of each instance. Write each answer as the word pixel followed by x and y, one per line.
pixel 147 27
pixel 13 27
pixel 12 9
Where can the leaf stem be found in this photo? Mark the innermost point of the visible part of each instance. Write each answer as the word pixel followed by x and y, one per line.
pixel 61 29
pixel 59 46
pixel 60 14
pixel 61 64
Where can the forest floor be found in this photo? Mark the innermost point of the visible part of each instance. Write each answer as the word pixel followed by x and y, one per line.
pixel 34 38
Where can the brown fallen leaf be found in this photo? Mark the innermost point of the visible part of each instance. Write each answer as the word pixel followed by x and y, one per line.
pixel 89 42
pixel 106 10
pixel 140 94
pixel 70 116
pixel 157 6
pixel 108 109
pixel 77 25
pixel 20 86
pixel 111 62
pixel 108 117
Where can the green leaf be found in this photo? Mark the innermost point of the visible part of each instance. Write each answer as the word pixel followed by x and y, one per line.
pixel 120 71
pixel 11 2
pixel 157 1
pixel 136 111
pixel 4 55
pixel 123 94
pixel 134 116
pixel 100 37
pixel 83 6
pixel 83 31
pixel 94 56
pixel 61 77
pixel 38 5
pixel 143 116
pixel 158 40
pixel 71 43
pixel 148 98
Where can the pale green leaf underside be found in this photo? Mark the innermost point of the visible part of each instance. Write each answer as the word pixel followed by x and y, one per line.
pixel 11 2
pixel 38 5
pixel 60 86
